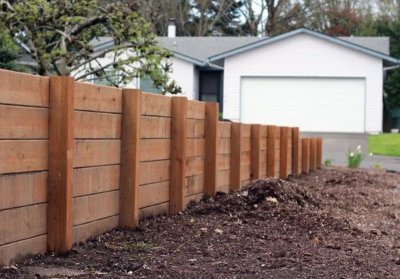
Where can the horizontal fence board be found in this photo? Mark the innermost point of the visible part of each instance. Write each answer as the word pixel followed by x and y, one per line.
pixel 88 181
pixel 155 149
pixel 153 172
pixel 223 189
pixel 224 146
pixel 263 156
pixel 263 144
pixel 24 89
pixel 94 125
pixel 244 182
pixel 16 251
pixel 153 194
pixel 23 156
pixel 23 122
pixel 245 172
pixel 246 158
pixel 224 129
pixel 195 147
pixel 264 131
pixel 194 166
pixel 194 185
pixel 224 162
pixel 196 128
pixel 22 223
pixel 263 170
pixel 195 198
pixel 156 105
pixel 155 210
pixel 223 178
pixel 155 127
pixel 196 110
pixel 246 144
pixel 92 97
pixel 91 153
pixel 83 232
pixel 95 207
pixel 246 130
pixel 23 189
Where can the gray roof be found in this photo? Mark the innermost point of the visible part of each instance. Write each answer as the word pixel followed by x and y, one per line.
pixel 379 44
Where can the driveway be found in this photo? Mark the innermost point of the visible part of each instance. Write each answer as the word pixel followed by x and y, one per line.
pixel 335 146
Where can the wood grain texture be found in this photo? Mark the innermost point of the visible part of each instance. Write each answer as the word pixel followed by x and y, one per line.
pixel 245 172
pixel 255 152
pixel 212 146
pixel 92 153
pixel 93 125
pixel 155 210
pixel 89 181
pixel 155 149
pixel 296 151
pixel 224 130
pixel 130 158
pixel 24 89
pixel 196 110
pixel 264 131
pixel 224 162
pixel 61 164
pixel 194 185
pixel 155 127
pixel 224 178
pixel 156 105
pixel 178 154
pixel 95 228
pixel 319 153
pixel 224 146
pixel 313 154
pixel 153 172
pixel 305 155
pixel 246 144
pixel 194 166
pixel 153 194
pixel 15 252
pixel 195 147
pixel 196 129
pixel 23 122
pixel 245 159
pixel 283 164
pixel 271 151
pixel 246 130
pixel 224 189
pixel 92 97
pixel 236 156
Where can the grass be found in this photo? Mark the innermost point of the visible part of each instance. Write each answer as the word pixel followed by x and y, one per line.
pixel 385 144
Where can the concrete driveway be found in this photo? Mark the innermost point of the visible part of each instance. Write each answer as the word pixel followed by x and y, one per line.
pixel 335 146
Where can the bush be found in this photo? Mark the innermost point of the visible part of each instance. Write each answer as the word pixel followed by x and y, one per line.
pixel 377 165
pixel 354 159
pixel 328 162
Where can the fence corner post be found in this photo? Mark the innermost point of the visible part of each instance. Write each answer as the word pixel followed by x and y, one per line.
pixel 236 156
pixel 61 164
pixel 255 152
pixel 271 150
pixel 178 154
pixel 296 151
pixel 130 158
pixel 305 155
pixel 211 149
pixel 319 153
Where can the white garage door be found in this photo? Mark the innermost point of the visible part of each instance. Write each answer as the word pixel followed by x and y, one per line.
pixel 313 104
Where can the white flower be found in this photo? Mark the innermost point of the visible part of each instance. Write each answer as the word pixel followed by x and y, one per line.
pixel 370 154
pixel 351 154
pixel 359 147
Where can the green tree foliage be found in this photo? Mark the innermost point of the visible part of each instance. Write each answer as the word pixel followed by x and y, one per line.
pixel 58 34
pixel 9 53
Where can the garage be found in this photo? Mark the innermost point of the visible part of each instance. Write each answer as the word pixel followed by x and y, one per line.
pixel 315 104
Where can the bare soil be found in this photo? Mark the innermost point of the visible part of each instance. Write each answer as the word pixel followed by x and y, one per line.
pixel 333 223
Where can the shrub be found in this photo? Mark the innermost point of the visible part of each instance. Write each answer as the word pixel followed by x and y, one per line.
pixel 377 165
pixel 328 162
pixel 354 159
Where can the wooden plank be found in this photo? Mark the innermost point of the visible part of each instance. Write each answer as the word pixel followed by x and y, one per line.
pixel 246 144
pixel 246 159
pixel 92 97
pixel 94 229
pixel 224 130
pixel 224 146
pixel 153 194
pixel 13 252
pixel 264 144
pixel 153 172
pixel 313 154
pixel 155 127
pixel 271 150
pixel 224 162
pixel 88 181
pixel 156 105
pixel 319 153
pixel 236 156
pixel 263 172
pixel 155 149
pixel 178 154
pixel 155 210
pixel 195 147
pixel 92 153
pixel 194 185
pixel 300 155
pixel 130 158
pixel 94 207
pixel 22 223
pixel 245 172
pixel 224 178
pixel 264 131
pixel 194 166
pixel 246 130
pixel 195 198
pixel 255 151
pixel 245 182
pixel 295 151
pixel 196 129
pixel 305 155
pixel 23 189
pixel 24 122
pixel 212 146
pixel 61 164
pixel 23 89
pixel 224 189
pixel 94 125
pixel 283 166
pixel 23 156
pixel 196 110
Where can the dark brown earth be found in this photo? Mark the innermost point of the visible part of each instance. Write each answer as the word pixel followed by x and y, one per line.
pixel 334 223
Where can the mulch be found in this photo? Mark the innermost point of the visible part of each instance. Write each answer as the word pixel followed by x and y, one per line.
pixel 332 223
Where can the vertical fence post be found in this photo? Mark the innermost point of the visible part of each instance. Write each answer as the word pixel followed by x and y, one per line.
pixel 255 152
pixel 61 164
pixel 130 158
pixel 319 153
pixel 295 151
pixel 283 164
pixel 178 155
pixel 305 164
pixel 313 154
pixel 271 150
pixel 236 155
pixel 211 149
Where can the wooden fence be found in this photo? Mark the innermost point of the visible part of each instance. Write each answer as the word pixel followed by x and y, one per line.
pixel 77 160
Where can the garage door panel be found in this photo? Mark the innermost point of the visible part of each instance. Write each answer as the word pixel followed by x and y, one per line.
pixel 313 104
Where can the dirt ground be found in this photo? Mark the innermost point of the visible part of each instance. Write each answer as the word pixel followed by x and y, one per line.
pixel 333 223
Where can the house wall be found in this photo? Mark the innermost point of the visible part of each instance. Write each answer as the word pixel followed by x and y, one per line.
pixel 196 84
pixel 184 74
pixel 305 56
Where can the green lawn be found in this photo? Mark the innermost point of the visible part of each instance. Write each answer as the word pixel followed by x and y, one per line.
pixel 385 144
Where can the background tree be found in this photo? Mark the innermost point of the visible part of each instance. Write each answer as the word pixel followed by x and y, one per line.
pixel 9 53
pixel 58 34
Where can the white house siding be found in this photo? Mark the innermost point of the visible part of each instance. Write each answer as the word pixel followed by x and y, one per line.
pixel 305 56
pixel 183 74
pixel 196 84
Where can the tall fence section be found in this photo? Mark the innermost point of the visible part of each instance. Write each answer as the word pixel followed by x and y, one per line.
pixel 77 160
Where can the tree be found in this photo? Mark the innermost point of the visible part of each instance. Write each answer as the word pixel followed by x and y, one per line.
pixel 58 34
pixel 9 53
